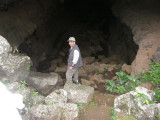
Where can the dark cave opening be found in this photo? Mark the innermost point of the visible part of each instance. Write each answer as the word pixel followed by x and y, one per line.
pixel 91 22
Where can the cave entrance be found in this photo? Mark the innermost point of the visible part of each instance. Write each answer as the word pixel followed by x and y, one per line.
pixel 98 33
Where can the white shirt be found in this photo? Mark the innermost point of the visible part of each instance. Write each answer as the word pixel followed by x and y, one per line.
pixel 75 56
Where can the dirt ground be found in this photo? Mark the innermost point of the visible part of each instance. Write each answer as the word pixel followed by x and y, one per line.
pixel 99 108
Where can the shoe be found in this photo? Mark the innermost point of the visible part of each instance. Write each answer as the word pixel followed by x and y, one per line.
pixel 76 82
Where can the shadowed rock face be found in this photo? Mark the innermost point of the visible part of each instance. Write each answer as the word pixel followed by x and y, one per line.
pixel 100 27
pixel 143 19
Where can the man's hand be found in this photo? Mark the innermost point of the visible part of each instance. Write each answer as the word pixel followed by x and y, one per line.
pixel 70 68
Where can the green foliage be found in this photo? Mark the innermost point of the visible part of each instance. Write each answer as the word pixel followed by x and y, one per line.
pixel 5 81
pixel 157 116
pixel 50 103
pixel 106 68
pixel 28 68
pixel 91 104
pixel 153 75
pixel 124 83
pixel 113 117
pixel 157 94
pixel 144 98
pixel 81 106
pixel 22 85
pixel 34 92
pixel 95 71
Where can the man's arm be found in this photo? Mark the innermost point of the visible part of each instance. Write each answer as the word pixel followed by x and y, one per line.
pixel 75 57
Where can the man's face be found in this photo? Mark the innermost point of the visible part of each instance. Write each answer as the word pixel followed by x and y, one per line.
pixel 71 43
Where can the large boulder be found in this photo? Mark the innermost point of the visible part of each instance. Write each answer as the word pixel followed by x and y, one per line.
pixel 4 46
pixel 58 96
pixel 127 105
pixel 67 111
pixel 16 67
pixel 43 82
pixel 78 93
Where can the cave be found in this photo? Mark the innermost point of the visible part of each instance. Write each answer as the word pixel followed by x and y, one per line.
pixel 112 35
pixel 91 22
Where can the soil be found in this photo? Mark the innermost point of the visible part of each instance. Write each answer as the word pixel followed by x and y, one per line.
pixel 99 108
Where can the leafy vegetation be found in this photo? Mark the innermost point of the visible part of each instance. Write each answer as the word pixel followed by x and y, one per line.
pixel 34 92
pixel 153 76
pixel 144 98
pixel 22 85
pixel 91 104
pixel 124 83
pixel 106 68
pixel 5 81
pixel 113 117
pixel 81 106
pixel 157 94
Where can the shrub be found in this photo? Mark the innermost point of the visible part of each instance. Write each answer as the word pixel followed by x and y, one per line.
pixel 153 76
pixel 124 83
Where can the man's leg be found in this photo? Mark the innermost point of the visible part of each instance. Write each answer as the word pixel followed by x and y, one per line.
pixel 75 76
pixel 69 75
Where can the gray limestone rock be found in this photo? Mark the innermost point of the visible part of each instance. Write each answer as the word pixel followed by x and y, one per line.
pixel 58 96
pixel 67 111
pixel 4 46
pixel 43 82
pixel 78 93
pixel 15 67
pixel 127 105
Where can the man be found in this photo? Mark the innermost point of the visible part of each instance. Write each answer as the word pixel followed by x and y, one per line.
pixel 74 61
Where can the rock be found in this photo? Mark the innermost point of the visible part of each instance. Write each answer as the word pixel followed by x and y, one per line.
pixel 67 111
pixel 43 82
pixel 88 60
pixel 127 105
pixel 146 33
pixel 16 67
pixel 78 93
pixel 37 99
pixel 96 77
pixel 87 82
pixel 82 72
pixel 61 69
pixel 111 67
pixel 5 47
pixel 157 55
pixel 147 85
pixel 126 68
pixel 58 96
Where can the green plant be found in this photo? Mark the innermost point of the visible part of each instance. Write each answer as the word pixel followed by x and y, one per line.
pixel 157 116
pixel 22 85
pixel 81 106
pixel 157 94
pixel 91 104
pixel 113 117
pixel 34 92
pixel 153 74
pixel 4 80
pixel 50 103
pixel 28 68
pixel 144 98
pixel 95 71
pixel 124 83
pixel 106 68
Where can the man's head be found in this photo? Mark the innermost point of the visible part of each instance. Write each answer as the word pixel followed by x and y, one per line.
pixel 71 41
